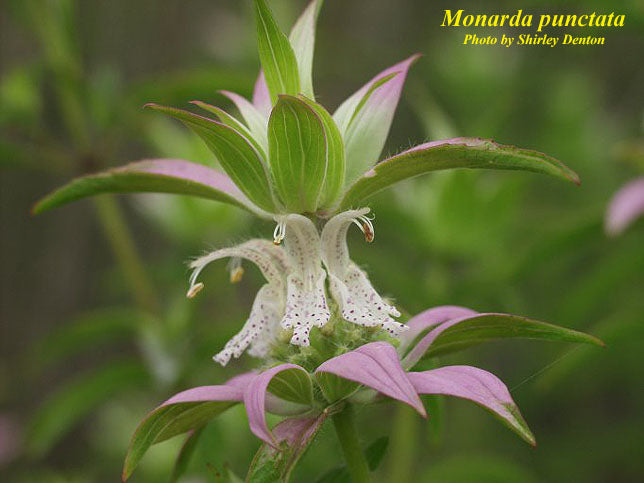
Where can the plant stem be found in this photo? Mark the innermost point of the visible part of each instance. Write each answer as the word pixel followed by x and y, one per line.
pixel 403 444
pixel 345 428
pixel 120 241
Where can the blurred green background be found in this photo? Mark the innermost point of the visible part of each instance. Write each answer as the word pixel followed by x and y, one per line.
pixel 95 326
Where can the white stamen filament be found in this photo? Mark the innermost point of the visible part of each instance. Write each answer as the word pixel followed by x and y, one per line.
pixel 280 232
pixel 366 226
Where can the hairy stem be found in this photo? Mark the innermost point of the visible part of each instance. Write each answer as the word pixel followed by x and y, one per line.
pixel 345 428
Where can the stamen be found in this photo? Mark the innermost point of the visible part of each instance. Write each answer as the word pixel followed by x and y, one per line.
pixel 280 232
pixel 366 226
pixel 236 270
pixel 194 290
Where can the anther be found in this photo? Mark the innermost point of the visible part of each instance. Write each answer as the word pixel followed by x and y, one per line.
pixel 194 290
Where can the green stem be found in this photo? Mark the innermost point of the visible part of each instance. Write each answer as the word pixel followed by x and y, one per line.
pixel 120 241
pixel 345 428
pixel 403 444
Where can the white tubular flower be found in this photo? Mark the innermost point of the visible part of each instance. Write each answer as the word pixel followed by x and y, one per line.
pixel 260 330
pixel 358 300
pixel 306 305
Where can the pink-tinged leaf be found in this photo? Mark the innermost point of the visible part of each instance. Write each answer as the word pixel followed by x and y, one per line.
pixel 293 436
pixel 261 96
pixel 463 332
pixel 255 400
pixel 235 153
pixel 153 176
pixel 626 206
pixel 241 381
pixel 256 120
pixel 478 386
pixel 430 318
pixel 454 153
pixel 183 412
pixel 365 132
pixel 375 365
pixel 302 39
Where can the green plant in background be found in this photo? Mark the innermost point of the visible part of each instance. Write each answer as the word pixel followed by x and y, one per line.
pixel 326 339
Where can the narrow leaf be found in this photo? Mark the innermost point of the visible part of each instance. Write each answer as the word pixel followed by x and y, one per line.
pixel 256 120
pixel 302 39
pixel 451 154
pixel 237 156
pixel 294 436
pixel 153 176
pixel 334 179
pixel 183 412
pixel 298 154
pixel 478 386
pixel 467 331
pixel 369 121
pixel 232 122
pixel 276 54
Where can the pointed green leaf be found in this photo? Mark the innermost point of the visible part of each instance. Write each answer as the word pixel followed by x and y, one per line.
pixel 292 385
pixel 450 154
pixel 272 464
pixel 302 39
pixel 486 327
pixel 276 54
pixel 153 176
pixel 334 179
pixel 232 122
pixel 297 148
pixel 183 412
pixel 237 156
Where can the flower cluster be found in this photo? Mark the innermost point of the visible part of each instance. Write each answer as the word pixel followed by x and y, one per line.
pixel 294 297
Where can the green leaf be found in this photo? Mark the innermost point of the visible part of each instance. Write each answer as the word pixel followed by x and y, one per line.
pixel 334 179
pixel 335 388
pixel 292 385
pixel 152 176
pixel 77 399
pixel 168 421
pixel 487 327
pixel 276 54
pixel 232 122
pixel 451 154
pixel 272 464
pixel 236 155
pixel 185 454
pixel 298 154
pixel 302 39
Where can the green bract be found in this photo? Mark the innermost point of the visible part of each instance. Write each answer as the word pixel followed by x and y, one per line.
pixel 288 154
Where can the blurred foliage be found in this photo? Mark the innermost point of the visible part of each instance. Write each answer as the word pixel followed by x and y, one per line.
pixel 73 77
